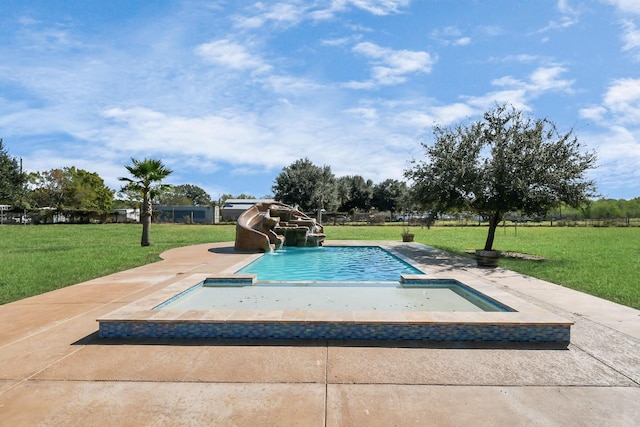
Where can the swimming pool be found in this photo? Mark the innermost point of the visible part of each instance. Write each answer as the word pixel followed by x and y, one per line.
pixel 520 322
pixel 329 264
pixel 334 278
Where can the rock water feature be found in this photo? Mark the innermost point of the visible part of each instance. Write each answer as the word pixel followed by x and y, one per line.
pixel 268 226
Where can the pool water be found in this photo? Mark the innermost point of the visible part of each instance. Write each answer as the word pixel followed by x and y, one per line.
pixel 440 295
pixel 329 264
pixel 334 279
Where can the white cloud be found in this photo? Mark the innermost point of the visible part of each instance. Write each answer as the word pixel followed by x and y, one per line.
pixel 569 16
pixel 515 92
pixel 520 58
pixel 337 42
pixel 630 37
pixel 391 66
pixel 219 137
pixel 542 79
pixel 375 7
pixel 562 23
pixel 593 113
pixel 618 151
pixel 34 35
pixel 368 84
pixel 564 7
pixel 519 93
pixel 517 97
pixel 286 14
pixel 312 127
pixel 632 6
pixel 366 113
pixel 341 41
pixel 281 14
pixel 441 115
pixel 288 85
pixel 547 78
pixel 232 55
pixel 453 113
pixel 491 30
pixel 619 146
pixel 378 7
pixel 450 36
pixel 620 105
pixel 623 101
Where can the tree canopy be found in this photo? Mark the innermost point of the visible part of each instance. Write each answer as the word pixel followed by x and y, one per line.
pixel 354 193
pixel 12 179
pixel 389 195
pixel 70 188
pixel 184 195
pixel 505 162
pixel 306 185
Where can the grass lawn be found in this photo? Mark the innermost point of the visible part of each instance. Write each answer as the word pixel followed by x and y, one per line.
pixel 37 259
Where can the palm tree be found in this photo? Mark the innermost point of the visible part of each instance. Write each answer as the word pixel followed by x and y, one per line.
pixel 145 174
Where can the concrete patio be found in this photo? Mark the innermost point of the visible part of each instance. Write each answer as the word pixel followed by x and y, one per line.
pixel 54 370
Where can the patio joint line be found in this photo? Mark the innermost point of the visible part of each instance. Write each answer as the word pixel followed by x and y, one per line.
pixel 326 382
pixel 98 307
pixel 405 384
pixel 31 377
pixel 607 364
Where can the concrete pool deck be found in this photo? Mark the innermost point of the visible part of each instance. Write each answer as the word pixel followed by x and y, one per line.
pixel 54 370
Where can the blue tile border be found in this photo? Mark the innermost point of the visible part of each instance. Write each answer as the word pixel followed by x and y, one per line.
pixel 338 331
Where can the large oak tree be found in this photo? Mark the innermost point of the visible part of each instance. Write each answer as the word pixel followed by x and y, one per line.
pixel 503 163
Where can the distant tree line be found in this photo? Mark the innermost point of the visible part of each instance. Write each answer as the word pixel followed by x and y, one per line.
pixel 601 209
pixel 312 187
pixel 309 186
pixel 75 195
pixel 82 196
pixel 12 179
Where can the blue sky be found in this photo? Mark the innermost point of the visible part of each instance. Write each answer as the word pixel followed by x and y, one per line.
pixel 227 93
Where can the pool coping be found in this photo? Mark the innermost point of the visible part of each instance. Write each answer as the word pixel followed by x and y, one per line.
pixel 527 323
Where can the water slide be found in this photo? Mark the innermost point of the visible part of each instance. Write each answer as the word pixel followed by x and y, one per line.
pixel 267 226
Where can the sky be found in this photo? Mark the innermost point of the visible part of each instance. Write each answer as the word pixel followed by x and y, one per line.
pixel 228 93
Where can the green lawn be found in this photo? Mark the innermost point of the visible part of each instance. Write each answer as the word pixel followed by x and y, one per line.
pixel 37 259
pixel 599 261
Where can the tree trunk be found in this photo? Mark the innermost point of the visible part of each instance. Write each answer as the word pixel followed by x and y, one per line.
pixel 319 213
pixel 494 220
pixel 147 211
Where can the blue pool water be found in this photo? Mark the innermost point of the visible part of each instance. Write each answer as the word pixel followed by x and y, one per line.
pixel 431 295
pixel 331 278
pixel 330 264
